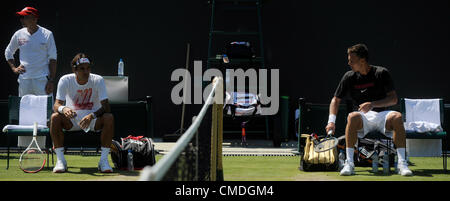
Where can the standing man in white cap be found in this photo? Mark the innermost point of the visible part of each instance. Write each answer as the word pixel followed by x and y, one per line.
pixel 37 56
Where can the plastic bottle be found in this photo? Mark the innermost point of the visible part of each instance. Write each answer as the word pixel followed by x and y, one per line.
pixel 120 68
pixel 130 160
pixel 386 163
pixel 341 159
pixel 395 163
pixel 375 162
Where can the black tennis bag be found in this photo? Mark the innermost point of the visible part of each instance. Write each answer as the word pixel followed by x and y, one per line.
pixel 366 148
pixel 142 148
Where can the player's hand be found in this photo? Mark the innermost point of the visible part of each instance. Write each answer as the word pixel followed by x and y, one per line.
pixel 49 87
pixel 331 126
pixel 365 107
pixel 69 113
pixel 84 123
pixel 19 70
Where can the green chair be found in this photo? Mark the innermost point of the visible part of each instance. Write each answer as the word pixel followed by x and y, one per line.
pixel 14 108
pixel 429 135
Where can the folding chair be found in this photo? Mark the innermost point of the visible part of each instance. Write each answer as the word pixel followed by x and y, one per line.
pixel 408 113
pixel 14 128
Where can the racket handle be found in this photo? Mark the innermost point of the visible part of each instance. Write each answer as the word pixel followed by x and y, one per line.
pixel 35 127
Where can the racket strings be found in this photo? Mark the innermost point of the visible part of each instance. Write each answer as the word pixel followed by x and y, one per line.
pixel 32 160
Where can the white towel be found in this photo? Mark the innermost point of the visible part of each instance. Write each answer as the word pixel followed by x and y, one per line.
pixel 422 115
pixel 33 109
pixel 18 127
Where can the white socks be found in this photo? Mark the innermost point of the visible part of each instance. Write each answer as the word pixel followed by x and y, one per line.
pixel 349 154
pixel 401 154
pixel 60 154
pixel 105 152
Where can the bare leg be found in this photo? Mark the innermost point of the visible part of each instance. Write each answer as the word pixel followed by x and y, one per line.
pixel 394 122
pixel 58 122
pixel 106 124
pixel 354 123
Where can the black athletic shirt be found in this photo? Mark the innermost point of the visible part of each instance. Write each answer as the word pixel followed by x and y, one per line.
pixel 365 88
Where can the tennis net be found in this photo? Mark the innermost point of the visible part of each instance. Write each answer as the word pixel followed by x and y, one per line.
pixel 196 156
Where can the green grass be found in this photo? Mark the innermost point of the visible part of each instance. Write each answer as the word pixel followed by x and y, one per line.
pixel 79 168
pixel 257 168
pixel 236 168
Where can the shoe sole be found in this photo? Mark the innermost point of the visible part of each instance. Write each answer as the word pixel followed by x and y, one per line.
pixel 60 171
pixel 106 171
pixel 347 174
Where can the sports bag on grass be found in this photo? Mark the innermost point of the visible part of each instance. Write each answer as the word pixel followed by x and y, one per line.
pixel 315 161
pixel 142 148
pixel 365 148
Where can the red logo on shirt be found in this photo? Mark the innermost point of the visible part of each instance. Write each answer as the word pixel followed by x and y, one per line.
pixel 363 86
pixel 22 41
pixel 82 99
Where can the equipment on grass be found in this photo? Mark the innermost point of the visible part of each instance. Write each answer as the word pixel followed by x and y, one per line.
pixel 366 148
pixel 142 148
pixel 32 159
pixel 310 160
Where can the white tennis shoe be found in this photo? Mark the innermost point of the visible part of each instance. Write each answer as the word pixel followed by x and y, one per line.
pixel 104 167
pixel 60 167
pixel 348 169
pixel 403 169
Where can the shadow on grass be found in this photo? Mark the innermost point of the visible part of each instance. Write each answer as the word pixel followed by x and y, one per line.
pixel 428 172
pixel 93 171
pixel 5 157
pixel 416 172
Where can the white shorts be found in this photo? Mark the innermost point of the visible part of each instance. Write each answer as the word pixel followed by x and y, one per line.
pixel 34 86
pixel 374 121
pixel 78 118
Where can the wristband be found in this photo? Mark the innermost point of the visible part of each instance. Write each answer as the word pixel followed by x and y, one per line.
pixel 332 118
pixel 93 114
pixel 61 108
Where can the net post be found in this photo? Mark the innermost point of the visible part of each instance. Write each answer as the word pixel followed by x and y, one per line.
pixel 216 171
pixel 213 144
pixel 219 143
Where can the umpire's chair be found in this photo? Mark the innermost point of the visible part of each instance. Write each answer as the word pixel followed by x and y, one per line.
pixel 20 121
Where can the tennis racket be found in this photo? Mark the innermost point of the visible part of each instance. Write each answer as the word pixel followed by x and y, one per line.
pixel 327 143
pixel 32 159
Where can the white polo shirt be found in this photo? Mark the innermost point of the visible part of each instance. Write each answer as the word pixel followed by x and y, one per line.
pixel 35 51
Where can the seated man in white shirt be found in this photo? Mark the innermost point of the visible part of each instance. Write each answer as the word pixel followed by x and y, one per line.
pixel 81 104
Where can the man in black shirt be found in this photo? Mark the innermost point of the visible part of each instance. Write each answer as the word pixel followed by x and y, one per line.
pixel 371 89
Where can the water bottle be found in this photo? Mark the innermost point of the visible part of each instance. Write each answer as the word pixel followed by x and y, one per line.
pixel 341 159
pixel 375 162
pixel 130 160
pixel 120 68
pixel 395 163
pixel 386 163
